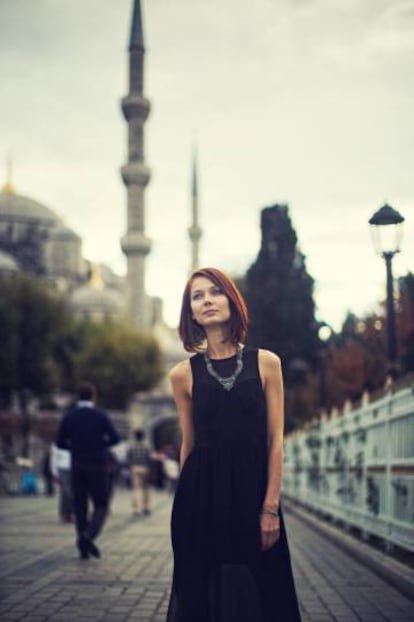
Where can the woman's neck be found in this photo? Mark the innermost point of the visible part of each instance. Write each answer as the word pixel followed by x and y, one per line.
pixel 219 345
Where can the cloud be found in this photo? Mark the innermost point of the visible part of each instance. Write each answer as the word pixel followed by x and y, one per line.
pixel 304 102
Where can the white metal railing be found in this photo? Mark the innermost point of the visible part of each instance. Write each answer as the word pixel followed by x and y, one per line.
pixel 358 467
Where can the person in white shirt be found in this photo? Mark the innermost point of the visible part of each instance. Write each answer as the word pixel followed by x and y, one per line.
pixel 60 466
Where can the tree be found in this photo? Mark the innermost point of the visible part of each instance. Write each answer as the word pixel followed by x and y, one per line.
pixel 69 345
pixel 32 317
pixel 119 361
pixel 357 358
pixel 9 340
pixel 405 321
pixel 45 349
pixel 279 294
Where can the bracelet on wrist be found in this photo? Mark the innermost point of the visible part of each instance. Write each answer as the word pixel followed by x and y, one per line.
pixel 272 511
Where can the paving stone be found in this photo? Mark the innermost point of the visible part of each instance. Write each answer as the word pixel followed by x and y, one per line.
pixel 42 579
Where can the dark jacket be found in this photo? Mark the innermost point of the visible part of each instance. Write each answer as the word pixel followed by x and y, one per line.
pixel 87 432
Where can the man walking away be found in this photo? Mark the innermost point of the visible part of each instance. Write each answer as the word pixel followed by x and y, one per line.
pixel 88 432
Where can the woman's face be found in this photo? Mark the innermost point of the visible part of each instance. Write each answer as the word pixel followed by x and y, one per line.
pixel 209 304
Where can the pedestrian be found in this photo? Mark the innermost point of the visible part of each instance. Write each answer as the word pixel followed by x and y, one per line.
pixel 138 460
pixel 231 555
pixel 171 466
pixel 172 472
pixel 112 469
pixel 47 473
pixel 62 473
pixel 88 432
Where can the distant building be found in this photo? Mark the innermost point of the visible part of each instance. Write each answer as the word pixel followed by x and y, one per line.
pixel 194 231
pixel 136 175
pixel 35 239
pixel 96 301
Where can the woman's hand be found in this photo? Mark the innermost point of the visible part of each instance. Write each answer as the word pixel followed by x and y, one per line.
pixel 270 530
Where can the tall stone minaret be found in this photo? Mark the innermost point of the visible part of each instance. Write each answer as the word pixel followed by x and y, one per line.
pixel 136 176
pixel 194 231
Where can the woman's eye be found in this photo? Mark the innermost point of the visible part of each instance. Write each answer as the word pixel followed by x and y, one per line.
pixel 196 296
pixel 217 291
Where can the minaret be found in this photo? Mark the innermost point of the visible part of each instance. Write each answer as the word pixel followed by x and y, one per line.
pixel 194 231
pixel 136 175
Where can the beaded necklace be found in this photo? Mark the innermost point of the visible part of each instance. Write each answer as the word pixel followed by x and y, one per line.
pixel 228 382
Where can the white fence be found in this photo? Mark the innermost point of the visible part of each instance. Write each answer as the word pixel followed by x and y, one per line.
pixel 358 467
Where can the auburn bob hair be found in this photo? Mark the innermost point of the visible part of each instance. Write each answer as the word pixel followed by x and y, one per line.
pixel 191 333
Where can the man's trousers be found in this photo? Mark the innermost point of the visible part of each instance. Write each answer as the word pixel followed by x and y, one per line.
pixel 89 481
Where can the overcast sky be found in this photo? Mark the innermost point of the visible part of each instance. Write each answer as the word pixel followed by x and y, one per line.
pixel 306 102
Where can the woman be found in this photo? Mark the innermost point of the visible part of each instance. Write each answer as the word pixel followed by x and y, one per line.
pixel 231 557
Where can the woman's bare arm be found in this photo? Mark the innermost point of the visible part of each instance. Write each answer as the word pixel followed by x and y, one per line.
pixel 271 375
pixel 181 382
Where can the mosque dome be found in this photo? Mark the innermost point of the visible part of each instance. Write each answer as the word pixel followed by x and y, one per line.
pixel 61 233
pixel 8 263
pixel 14 207
pixel 85 299
pixel 94 299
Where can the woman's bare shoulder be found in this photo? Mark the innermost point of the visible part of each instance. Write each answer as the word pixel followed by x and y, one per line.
pixel 181 371
pixel 269 359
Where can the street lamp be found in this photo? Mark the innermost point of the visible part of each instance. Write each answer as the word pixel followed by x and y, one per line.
pixel 386 234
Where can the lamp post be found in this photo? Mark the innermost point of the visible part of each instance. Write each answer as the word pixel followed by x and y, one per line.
pixel 386 234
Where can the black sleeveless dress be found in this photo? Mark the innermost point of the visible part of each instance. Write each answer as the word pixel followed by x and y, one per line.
pixel 220 572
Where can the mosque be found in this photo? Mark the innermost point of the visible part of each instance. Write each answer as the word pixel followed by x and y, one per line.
pixel 35 239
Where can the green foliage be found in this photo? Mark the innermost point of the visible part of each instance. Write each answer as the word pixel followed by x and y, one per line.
pixel 279 294
pixel 69 345
pixel 119 361
pixel 358 356
pixel 45 349
pixel 357 359
pixel 9 321
pixel 405 321
pixel 32 317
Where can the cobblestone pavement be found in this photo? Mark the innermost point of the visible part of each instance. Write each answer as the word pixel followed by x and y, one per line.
pixel 42 579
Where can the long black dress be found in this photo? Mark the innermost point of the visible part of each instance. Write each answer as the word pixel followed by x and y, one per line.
pixel 220 573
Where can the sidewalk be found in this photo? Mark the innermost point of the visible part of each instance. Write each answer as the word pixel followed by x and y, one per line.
pixel 43 580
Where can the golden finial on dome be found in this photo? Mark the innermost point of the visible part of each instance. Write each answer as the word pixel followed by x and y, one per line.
pixel 96 280
pixel 8 187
